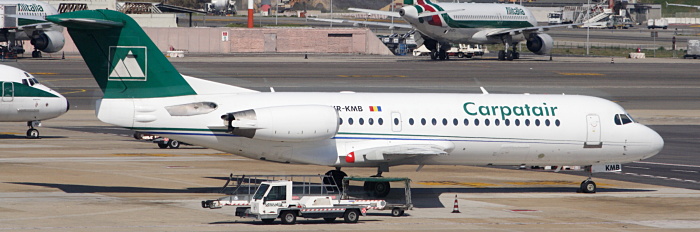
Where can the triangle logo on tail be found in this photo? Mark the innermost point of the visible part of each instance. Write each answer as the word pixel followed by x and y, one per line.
pixel 128 63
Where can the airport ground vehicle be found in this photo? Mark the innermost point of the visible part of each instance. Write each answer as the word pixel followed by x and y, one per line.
pixel 397 206
pixel 461 51
pixel 657 23
pixel 161 141
pixel 693 49
pixel 287 200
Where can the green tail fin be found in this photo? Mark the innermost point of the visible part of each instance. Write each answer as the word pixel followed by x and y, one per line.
pixel 122 58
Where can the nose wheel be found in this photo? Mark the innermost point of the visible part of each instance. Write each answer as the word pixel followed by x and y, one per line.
pixel 587 186
pixel 33 133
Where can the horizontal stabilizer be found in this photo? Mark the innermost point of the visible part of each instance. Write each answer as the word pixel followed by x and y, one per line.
pixel 377 12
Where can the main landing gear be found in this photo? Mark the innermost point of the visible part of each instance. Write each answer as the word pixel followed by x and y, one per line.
pixel 374 189
pixel 508 54
pixel 33 133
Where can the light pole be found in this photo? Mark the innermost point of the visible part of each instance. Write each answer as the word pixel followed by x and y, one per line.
pixel 331 13
pixel 277 10
pixel 588 28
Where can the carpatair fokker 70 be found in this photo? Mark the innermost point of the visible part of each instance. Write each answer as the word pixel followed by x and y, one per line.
pixel 441 24
pixel 144 92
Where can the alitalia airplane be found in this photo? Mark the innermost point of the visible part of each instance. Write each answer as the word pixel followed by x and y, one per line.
pixel 442 24
pixel 144 92
pixel 24 99
pixel 46 37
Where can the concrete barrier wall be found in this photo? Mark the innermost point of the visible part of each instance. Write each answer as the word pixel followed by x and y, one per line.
pixel 260 40
pixel 683 20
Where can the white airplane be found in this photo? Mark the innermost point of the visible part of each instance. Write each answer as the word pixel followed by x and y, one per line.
pixel 45 36
pixel 24 99
pixel 144 92
pixel 442 24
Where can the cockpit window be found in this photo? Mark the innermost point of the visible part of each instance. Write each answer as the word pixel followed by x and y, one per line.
pixel 31 82
pixel 622 119
pixel 35 80
pixel 24 82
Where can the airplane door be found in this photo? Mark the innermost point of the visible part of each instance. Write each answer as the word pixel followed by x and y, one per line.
pixel 395 122
pixel 8 91
pixel 593 133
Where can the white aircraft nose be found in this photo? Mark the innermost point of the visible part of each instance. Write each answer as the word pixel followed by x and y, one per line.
pixel 656 143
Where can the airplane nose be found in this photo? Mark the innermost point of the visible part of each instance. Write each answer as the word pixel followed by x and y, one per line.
pixel 67 105
pixel 656 143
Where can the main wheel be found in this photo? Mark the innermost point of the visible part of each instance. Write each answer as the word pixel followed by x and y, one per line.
pixel 433 55
pixel 377 189
pixel 329 220
pixel 460 55
pixel 174 144
pixel 516 55
pixel 163 145
pixel 32 133
pixel 397 212
pixel 588 186
pixel 289 217
pixel 501 55
pixel 268 220
pixel 337 180
pixel 351 216
pixel 509 55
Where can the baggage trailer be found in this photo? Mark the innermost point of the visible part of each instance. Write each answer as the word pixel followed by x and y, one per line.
pixel 288 200
pixel 397 206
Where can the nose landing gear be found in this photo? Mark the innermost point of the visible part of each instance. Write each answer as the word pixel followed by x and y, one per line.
pixel 33 133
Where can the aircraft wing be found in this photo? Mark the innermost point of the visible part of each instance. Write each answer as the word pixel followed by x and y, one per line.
pixel 403 151
pixel 378 12
pixel 671 4
pixel 515 31
pixel 357 22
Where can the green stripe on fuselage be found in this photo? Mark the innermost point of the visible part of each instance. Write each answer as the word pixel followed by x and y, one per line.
pixel 484 23
pixel 21 90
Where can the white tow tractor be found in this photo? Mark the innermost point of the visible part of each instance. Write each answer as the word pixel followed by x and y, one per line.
pixel 287 200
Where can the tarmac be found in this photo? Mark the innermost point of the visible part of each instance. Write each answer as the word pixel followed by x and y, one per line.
pixel 84 175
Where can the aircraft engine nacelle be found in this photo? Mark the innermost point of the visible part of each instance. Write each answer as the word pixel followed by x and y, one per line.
pixel 540 43
pixel 301 123
pixel 48 41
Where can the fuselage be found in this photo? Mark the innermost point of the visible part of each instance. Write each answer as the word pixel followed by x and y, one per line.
pixel 468 23
pixel 31 9
pixel 475 129
pixel 24 99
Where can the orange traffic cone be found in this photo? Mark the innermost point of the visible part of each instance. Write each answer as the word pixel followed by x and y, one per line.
pixel 455 209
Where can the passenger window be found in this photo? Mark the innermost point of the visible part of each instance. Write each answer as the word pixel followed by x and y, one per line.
pixel 527 122
pixel 476 122
pixel 371 121
pixel 444 122
pixel 537 122
pixel 434 121
pixel 546 122
pixel 517 122
pixel 455 121
pixel 507 122
pixel 381 121
pixel 497 122
pixel 396 121
pixel 466 122
pixel 557 123
pixel 350 121
pixel 410 121
pixel 487 122
pixel 422 121
pixel 362 121
pixel 340 121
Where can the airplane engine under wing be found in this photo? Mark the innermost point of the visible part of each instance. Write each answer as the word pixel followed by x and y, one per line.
pixel 540 43
pixel 48 41
pixel 284 123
